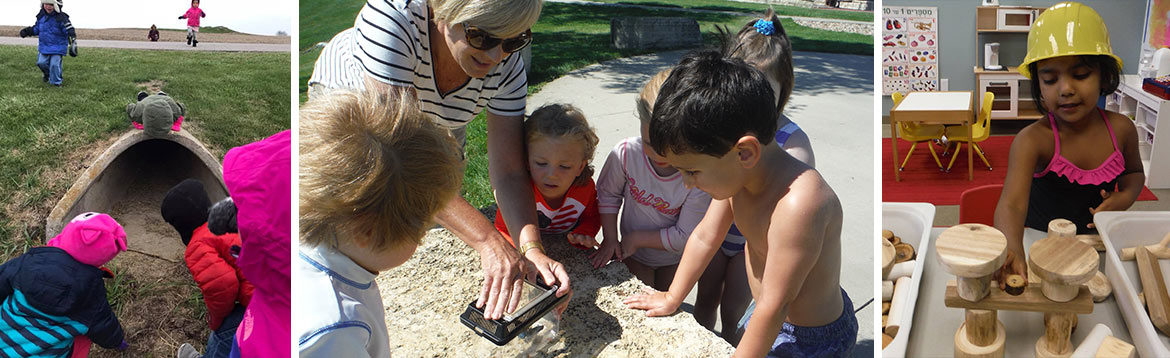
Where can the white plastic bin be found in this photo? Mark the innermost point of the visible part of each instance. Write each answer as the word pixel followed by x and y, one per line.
pixel 1122 229
pixel 909 221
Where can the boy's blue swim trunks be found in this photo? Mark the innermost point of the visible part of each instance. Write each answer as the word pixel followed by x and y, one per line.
pixel 835 339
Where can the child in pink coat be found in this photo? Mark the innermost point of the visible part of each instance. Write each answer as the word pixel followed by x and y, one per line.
pixel 192 15
pixel 259 180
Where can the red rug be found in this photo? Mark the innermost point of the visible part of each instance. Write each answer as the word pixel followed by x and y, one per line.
pixel 923 182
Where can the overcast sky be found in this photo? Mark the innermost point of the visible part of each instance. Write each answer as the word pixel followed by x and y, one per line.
pixel 263 17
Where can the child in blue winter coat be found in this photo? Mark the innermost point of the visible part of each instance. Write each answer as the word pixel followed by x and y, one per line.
pixel 56 38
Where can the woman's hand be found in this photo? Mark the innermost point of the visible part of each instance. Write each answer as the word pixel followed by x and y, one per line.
pixel 655 303
pixel 610 250
pixel 503 269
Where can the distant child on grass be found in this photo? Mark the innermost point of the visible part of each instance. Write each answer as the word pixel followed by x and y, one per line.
pixel 211 259
pixel 56 37
pixel 374 170
pixel 55 294
pixel 763 44
pixel 714 120
pixel 658 211
pixel 153 34
pixel 560 145
pixel 1098 167
pixel 193 15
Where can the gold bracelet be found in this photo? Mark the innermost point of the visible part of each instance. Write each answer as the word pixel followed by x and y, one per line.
pixel 535 244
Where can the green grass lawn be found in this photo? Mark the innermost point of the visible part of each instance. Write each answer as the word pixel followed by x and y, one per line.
pixel 232 99
pixel 723 5
pixel 567 37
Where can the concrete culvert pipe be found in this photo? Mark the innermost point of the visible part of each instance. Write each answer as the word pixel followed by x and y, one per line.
pixel 129 180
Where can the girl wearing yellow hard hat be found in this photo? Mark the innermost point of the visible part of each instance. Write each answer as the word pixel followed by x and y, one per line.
pixel 1080 159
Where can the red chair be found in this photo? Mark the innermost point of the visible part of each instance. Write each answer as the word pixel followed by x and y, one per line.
pixel 977 205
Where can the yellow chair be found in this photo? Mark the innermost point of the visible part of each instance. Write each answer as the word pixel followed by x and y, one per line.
pixel 917 133
pixel 981 129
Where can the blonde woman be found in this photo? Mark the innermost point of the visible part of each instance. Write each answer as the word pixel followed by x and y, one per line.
pixel 460 58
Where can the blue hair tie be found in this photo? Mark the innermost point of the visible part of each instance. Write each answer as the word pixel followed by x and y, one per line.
pixel 765 27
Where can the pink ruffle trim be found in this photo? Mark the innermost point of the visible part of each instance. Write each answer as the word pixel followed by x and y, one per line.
pixel 1109 170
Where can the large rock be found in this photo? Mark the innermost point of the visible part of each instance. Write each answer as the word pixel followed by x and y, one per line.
pixel 654 32
pixel 425 296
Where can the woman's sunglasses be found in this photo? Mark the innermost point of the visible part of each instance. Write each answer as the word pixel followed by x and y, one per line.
pixel 481 40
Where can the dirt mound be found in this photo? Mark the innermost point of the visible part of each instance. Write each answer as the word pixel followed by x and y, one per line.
pixel 164 35
pixel 424 297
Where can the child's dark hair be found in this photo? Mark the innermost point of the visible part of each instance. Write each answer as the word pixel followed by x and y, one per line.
pixel 708 103
pixel 1110 76
pixel 767 48
pixel 560 120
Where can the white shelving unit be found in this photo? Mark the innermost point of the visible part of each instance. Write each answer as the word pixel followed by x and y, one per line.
pixel 1149 113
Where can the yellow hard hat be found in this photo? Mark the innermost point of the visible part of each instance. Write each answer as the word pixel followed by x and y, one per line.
pixel 1065 29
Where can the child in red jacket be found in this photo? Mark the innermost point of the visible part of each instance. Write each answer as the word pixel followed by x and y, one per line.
pixel 212 261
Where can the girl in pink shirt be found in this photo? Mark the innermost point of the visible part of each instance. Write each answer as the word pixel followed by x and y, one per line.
pixel 659 212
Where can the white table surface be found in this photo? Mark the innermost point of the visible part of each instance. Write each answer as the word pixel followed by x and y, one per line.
pixel 936 101
pixel 934 327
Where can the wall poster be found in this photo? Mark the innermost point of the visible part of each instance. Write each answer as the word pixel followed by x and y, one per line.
pixel 909 49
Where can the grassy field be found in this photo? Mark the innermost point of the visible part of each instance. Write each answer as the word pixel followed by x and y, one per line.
pixel 47 132
pixel 723 5
pixel 567 37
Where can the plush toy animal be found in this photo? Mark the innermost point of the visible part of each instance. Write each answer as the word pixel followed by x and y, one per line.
pixel 156 114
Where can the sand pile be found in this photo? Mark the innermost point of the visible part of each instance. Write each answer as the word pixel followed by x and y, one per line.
pixel 425 296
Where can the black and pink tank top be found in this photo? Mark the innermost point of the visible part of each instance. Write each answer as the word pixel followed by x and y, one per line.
pixel 1064 191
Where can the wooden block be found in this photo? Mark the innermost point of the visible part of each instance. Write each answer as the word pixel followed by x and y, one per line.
pixel 1157 301
pixel 1032 300
pixel 1032 276
pixel 966 349
pixel 898 306
pixel 885 309
pixel 886 340
pixel 1113 347
pixel 1061 228
pixel 887 290
pixel 1099 286
pixel 887 258
pixel 903 252
pixel 1063 261
pixel 971 250
pixel 885 320
pixel 1093 240
pixel 974 289
pixel 1057 329
pixel 980 326
pixel 1015 285
pixel 1160 250
pixel 887 234
pixel 1092 341
pixel 902 269
pixel 895 240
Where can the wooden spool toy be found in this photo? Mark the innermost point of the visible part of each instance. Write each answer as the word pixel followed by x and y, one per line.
pixel 1057 329
pixel 981 335
pixel 1062 228
pixel 1063 264
pixel 887 258
pixel 1160 250
pixel 972 252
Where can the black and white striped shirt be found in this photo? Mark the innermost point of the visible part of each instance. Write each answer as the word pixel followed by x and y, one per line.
pixel 390 42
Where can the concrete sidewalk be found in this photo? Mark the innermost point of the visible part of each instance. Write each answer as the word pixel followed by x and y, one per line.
pixel 832 101
pixel 172 46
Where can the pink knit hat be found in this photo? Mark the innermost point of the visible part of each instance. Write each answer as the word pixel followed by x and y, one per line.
pixel 91 238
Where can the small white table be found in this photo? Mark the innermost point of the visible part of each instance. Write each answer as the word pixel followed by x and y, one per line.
pixel 953 107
